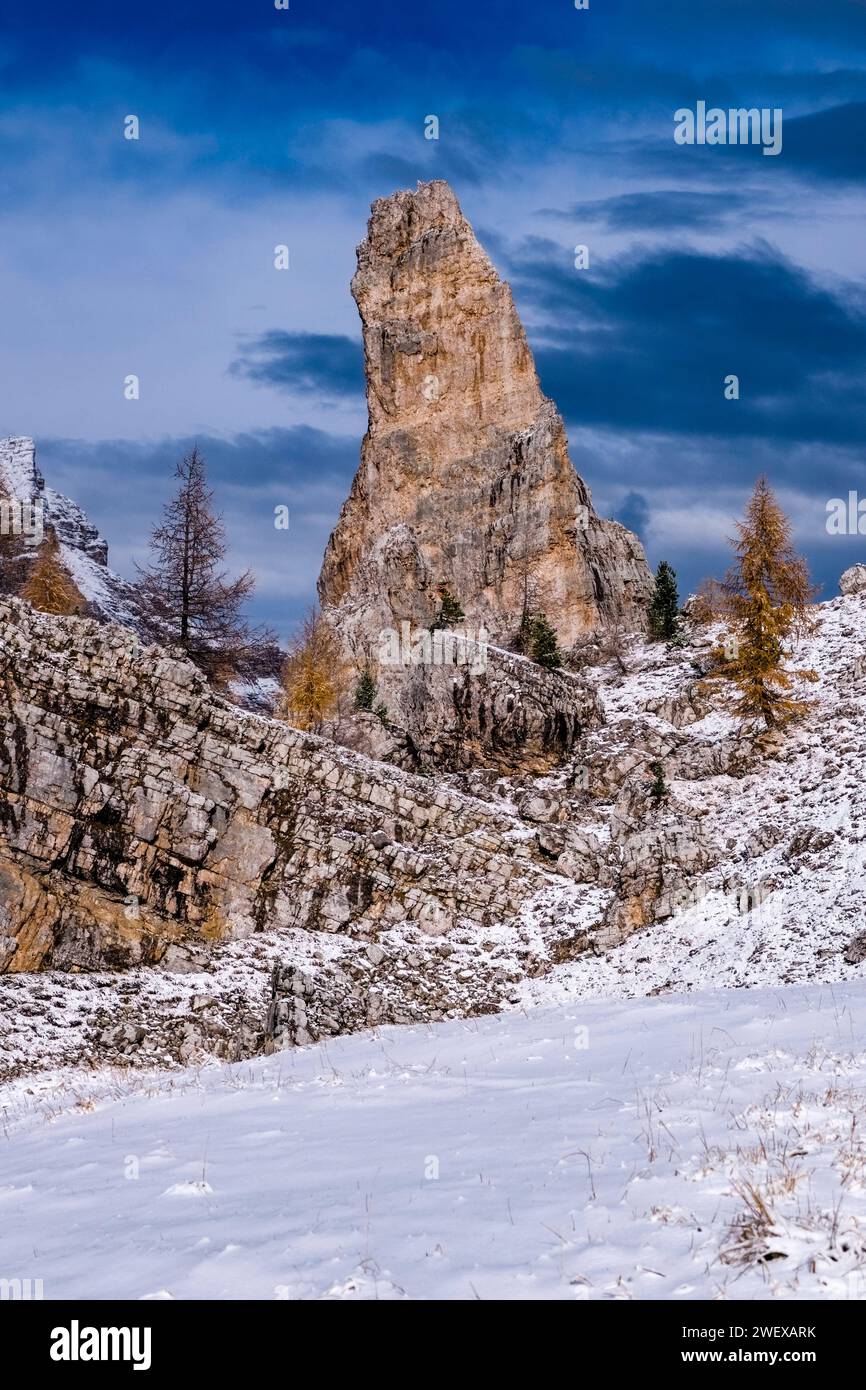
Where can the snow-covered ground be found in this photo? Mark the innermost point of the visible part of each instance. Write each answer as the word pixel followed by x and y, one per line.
pixel 651 1149
pixel 781 899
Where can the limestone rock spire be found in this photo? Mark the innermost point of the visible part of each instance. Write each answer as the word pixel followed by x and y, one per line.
pixel 465 478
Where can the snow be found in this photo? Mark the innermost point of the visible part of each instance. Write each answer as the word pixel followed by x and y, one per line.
pixel 604 1150
pixel 111 595
pixel 789 830
pixel 260 694
pixel 19 476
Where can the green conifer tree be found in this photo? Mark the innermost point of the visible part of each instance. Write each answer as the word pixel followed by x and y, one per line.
pixel 659 787
pixel 365 690
pixel 664 605
pixel 544 648
pixel 450 610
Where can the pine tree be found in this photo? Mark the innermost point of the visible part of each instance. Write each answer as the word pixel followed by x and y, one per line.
pixel 450 610
pixel 664 605
pixel 310 690
pixel 659 788
pixel 543 646
pixel 365 690
pixel 767 593
pixel 49 587
pixel 191 601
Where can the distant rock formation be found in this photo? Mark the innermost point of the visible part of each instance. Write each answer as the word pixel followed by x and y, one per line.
pixel 83 551
pixel 465 478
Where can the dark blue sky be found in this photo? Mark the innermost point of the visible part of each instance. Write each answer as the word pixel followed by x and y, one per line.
pixel 261 126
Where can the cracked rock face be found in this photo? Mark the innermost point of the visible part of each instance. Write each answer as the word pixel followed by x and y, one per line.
pixel 290 890
pixel 514 716
pixel 465 478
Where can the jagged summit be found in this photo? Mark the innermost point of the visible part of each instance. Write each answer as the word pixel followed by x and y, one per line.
pixel 464 477
pixel 83 551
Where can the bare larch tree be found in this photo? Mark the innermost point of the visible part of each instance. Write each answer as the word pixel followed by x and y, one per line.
pixel 190 600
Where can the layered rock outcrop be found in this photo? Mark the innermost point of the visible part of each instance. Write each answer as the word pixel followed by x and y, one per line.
pixel 513 715
pixel 288 890
pixel 853 581
pixel 139 812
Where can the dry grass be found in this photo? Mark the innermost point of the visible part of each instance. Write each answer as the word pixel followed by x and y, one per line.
pixel 801 1148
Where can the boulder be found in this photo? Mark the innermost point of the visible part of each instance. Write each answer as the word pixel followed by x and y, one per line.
pixel 853 581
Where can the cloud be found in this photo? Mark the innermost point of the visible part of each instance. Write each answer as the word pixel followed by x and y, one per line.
pixel 431 159
pixel 696 487
pixel 261 127
pixel 634 512
pixel 648 342
pixel 661 209
pixel 823 142
pixel 327 364
pixel 828 145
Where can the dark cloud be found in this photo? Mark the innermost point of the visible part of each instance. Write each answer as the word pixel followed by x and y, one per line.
pixel 828 145
pixel 662 209
pixel 327 364
pixel 246 100
pixel 697 486
pixel 434 159
pixel 258 458
pixel 634 512
pixel 824 145
pixel 252 94
pixel 648 342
